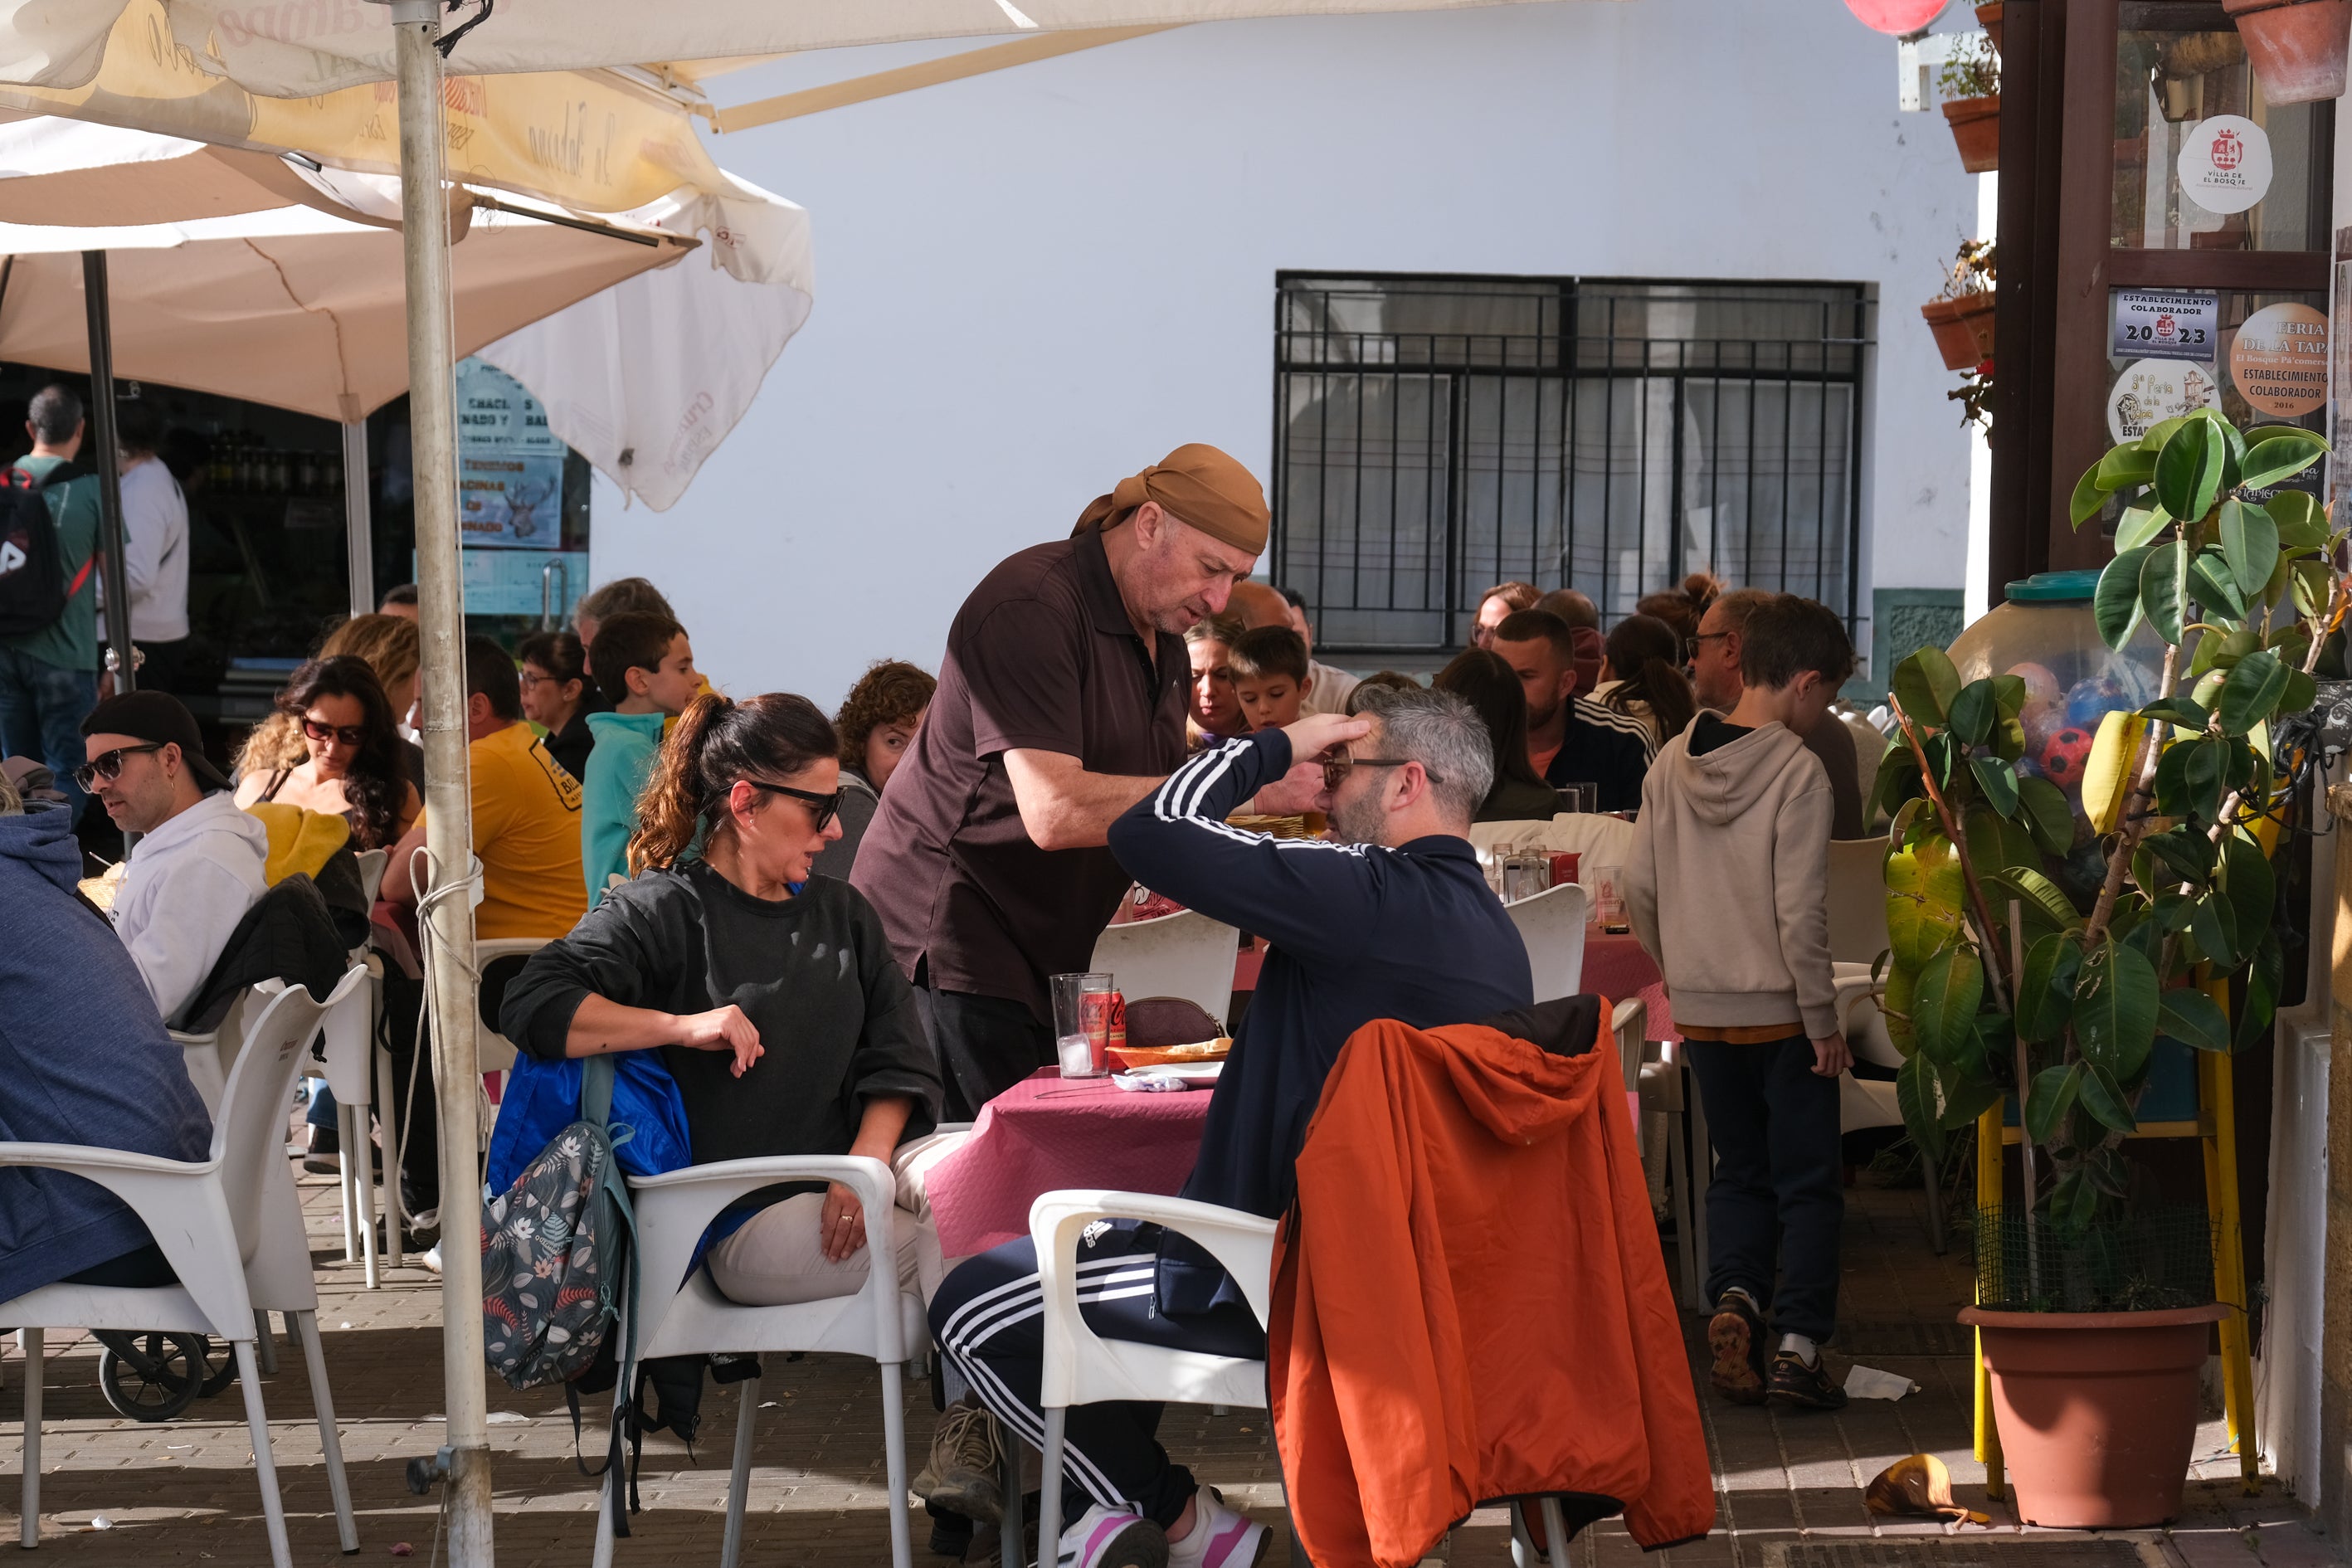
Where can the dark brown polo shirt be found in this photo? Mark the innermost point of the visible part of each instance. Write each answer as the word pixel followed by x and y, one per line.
pixel 1042 656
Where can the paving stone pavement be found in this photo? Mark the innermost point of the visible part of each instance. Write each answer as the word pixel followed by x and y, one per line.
pixel 182 1493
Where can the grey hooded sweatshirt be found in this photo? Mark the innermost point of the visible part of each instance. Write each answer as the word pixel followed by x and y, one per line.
pixel 1727 884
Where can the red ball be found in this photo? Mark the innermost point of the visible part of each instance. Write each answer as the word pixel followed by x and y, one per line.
pixel 2064 758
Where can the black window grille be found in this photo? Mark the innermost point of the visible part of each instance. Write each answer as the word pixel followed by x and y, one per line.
pixel 1434 435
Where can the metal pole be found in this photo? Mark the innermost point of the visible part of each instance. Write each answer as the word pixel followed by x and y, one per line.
pixel 107 460
pixel 359 535
pixel 433 445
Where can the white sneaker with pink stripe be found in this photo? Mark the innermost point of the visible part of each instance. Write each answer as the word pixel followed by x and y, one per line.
pixel 1219 1538
pixel 1113 1538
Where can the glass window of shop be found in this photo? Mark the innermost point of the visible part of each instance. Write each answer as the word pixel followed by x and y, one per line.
pixel 268 570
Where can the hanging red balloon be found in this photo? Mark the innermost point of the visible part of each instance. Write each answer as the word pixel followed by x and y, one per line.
pixel 1897 17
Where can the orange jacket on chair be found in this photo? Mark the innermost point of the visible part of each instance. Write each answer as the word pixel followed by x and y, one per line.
pixel 1470 1304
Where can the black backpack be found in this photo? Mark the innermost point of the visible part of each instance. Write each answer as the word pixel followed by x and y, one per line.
pixel 34 591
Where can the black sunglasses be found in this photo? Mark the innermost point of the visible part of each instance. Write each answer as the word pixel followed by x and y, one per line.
pixel 1335 768
pixel 349 734
pixel 821 807
pixel 108 765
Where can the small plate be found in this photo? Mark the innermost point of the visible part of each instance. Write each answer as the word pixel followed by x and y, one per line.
pixel 1195 1075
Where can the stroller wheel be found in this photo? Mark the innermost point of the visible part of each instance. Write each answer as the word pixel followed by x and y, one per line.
pixel 151 1376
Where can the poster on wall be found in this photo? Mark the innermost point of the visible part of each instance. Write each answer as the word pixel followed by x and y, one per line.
pixel 2280 360
pixel 510 464
pixel 2154 389
pixel 2147 323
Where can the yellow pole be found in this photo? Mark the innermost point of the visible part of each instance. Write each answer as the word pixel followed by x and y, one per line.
pixel 2217 1115
pixel 1988 1194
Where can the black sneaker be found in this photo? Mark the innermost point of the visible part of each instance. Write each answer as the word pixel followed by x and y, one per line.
pixel 1734 1337
pixel 1794 1385
pixel 322 1152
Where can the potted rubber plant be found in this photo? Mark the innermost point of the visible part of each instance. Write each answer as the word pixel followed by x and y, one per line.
pixel 1970 84
pixel 1960 315
pixel 2053 962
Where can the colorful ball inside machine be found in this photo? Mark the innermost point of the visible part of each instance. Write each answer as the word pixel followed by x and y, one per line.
pixel 2065 757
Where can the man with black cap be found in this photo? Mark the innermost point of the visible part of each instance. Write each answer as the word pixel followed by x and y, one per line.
pixel 1060 704
pixel 197 867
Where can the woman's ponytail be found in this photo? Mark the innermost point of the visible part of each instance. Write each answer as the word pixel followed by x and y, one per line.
pixel 670 811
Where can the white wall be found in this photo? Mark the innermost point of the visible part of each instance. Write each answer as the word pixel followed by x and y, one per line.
pixel 1033 283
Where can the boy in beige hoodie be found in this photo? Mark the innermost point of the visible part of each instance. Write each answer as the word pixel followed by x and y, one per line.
pixel 1727 888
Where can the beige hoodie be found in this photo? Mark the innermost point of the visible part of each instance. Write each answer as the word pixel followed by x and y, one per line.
pixel 1728 883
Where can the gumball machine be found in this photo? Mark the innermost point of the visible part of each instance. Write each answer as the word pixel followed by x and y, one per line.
pixel 2045 635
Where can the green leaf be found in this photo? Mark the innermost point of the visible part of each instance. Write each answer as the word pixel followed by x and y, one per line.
pixel 2160 588
pixel 2088 499
pixel 1918 1094
pixel 2276 452
pixel 2047 815
pixel 2048 1099
pixel 2250 543
pixel 2040 893
pixel 2115 604
pixel 2214 929
pixel 2140 525
pixel 2186 850
pixel 2266 975
pixel 1925 684
pixel 1974 709
pixel 2122 467
pixel 2045 991
pixel 2247 878
pixel 2116 1008
pixel 2159 433
pixel 2189 470
pixel 1924 891
pixel 2218 653
pixel 2101 1097
pixel 2314 582
pixel 1997 781
pixel 2210 584
pixel 2301 524
pixel 2301 691
pixel 2186 712
pixel 2252 692
pixel 1969 1094
pixel 2193 1018
pixel 1898 781
pixel 1943 1005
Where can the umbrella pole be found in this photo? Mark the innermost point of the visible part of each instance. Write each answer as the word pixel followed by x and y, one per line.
pixel 433 436
pixel 108 462
pixel 359 535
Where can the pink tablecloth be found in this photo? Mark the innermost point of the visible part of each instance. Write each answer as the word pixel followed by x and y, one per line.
pixel 1042 1134
pixel 1617 968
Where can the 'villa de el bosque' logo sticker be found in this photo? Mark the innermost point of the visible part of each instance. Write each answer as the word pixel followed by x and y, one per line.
pixel 2225 163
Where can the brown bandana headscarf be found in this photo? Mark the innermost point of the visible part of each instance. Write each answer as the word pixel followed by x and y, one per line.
pixel 1200 485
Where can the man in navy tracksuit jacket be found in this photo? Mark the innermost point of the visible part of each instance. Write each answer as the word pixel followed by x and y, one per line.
pixel 1395 921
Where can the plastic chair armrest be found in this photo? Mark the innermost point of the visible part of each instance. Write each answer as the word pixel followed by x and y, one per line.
pixel 1625 1020
pixel 1242 1243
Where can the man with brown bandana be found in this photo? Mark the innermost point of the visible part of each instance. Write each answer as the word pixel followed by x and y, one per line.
pixel 1060 704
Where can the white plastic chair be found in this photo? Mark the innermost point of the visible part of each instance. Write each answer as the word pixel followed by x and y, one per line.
pixel 880 1322
pixel 1870 745
pixel 372 865
pixel 1184 954
pixel 232 1230
pixel 1552 926
pixel 348 1029
pixel 493 1052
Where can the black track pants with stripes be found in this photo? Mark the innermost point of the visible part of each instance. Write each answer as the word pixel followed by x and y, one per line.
pixel 987 1319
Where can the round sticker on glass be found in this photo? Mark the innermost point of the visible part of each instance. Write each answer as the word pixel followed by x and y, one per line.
pixel 2152 391
pixel 2280 360
pixel 2225 163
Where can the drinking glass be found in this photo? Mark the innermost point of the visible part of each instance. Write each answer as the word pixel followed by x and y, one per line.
pixel 1579 797
pixel 1608 897
pixel 1082 1023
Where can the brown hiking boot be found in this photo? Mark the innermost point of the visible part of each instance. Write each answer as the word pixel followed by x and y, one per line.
pixel 1734 1338
pixel 1795 1385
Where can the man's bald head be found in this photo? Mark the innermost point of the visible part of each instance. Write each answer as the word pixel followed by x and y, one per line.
pixel 1258 605
pixel 1577 609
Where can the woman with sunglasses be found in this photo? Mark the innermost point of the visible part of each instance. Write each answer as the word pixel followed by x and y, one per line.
pixel 725 944
pixel 354 767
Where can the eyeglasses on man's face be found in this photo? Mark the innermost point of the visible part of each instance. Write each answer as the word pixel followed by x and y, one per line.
pixel 1335 768
pixel 821 807
pixel 108 765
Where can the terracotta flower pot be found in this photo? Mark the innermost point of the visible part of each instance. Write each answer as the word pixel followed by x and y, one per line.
pixel 2097 1411
pixel 1963 329
pixel 1989 18
pixel 1976 126
pixel 2297 47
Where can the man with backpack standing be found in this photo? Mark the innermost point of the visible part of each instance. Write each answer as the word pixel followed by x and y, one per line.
pixel 49 594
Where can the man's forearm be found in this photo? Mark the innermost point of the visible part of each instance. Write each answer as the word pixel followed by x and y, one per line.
pixel 1065 807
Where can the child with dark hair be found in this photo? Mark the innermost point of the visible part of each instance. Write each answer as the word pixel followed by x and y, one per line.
pixel 1727 888
pixel 645 667
pixel 876 725
pixel 1272 675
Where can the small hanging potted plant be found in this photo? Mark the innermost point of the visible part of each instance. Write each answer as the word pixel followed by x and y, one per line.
pixel 1961 315
pixel 2297 47
pixel 1989 18
pixel 2032 965
pixel 1971 86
